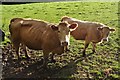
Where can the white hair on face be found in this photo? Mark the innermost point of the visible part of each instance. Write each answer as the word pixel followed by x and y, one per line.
pixel 102 40
pixel 68 39
pixel 21 22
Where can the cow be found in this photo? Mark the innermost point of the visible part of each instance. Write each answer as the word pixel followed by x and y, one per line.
pixel 2 36
pixel 89 31
pixel 40 35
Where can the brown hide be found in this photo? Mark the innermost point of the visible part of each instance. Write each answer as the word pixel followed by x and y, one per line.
pixel 34 36
pixel 86 30
pixel 37 35
pixel 89 31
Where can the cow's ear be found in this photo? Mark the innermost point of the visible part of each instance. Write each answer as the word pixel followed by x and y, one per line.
pixel 54 27
pixel 64 17
pixel 112 29
pixel 73 26
pixel 61 20
pixel 99 28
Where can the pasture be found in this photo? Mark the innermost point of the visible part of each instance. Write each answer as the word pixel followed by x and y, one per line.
pixel 104 64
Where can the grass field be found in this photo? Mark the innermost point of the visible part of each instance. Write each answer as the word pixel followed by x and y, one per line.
pixel 106 56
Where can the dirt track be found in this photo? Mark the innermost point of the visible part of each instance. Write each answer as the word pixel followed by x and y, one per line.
pixel 13 68
pixel 66 66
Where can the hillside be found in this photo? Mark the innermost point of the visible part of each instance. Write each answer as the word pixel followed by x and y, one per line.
pixel 72 65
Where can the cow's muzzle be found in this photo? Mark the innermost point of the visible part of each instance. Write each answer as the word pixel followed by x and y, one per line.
pixel 105 39
pixel 64 43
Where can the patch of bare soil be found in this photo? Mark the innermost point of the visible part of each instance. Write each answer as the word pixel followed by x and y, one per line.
pixel 68 65
pixel 32 68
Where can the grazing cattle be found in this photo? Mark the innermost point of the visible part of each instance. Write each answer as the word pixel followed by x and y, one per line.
pixel 2 35
pixel 40 35
pixel 89 31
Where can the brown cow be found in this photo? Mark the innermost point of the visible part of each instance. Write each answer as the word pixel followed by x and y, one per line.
pixel 40 35
pixel 89 31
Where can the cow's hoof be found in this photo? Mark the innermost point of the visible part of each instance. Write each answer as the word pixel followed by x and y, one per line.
pixel 28 58
pixel 19 58
pixel 45 67
pixel 53 61
pixel 68 50
pixel 84 55
pixel 93 51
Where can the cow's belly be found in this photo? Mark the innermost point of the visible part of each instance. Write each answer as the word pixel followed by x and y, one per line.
pixel 31 41
pixel 96 40
pixel 79 37
pixel 34 46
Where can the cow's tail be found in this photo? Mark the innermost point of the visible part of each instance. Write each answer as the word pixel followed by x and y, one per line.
pixel 15 19
pixel 22 22
pixel 18 22
pixel 12 22
pixel 10 29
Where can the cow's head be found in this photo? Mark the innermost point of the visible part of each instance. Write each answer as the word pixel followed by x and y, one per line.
pixel 105 32
pixel 63 29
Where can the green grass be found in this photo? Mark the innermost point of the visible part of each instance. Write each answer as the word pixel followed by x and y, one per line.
pixel 103 12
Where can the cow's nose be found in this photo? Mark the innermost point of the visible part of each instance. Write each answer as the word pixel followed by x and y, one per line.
pixel 64 43
pixel 105 39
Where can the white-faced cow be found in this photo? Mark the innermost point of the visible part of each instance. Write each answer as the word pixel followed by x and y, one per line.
pixel 40 35
pixel 89 31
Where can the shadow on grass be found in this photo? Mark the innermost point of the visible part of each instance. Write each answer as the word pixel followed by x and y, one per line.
pixel 32 68
pixel 82 58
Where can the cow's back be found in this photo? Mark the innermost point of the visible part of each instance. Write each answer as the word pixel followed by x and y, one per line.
pixel 28 32
pixel 40 36
pixel 31 35
pixel 86 29
pixel 81 31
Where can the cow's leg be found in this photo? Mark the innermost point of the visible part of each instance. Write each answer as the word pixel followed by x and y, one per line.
pixel 84 50
pixel 67 49
pixel 94 46
pixel 45 56
pixel 16 46
pixel 52 58
pixel 25 51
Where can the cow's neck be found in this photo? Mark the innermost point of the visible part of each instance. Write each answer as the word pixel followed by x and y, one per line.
pixel 101 36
